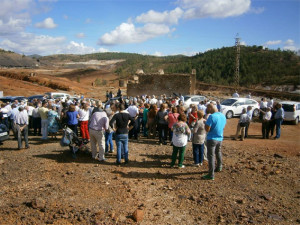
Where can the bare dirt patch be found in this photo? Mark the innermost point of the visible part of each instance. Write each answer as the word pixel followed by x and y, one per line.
pixel 259 184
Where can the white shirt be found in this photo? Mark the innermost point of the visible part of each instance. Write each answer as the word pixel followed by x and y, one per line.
pixel 249 114
pixel 263 104
pixel 270 103
pixel 133 110
pixel 235 95
pixel 267 116
pixel 83 115
pixel 244 118
pixel 21 117
pixel 29 110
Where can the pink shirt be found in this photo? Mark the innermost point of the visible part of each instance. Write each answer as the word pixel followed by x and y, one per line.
pixel 173 118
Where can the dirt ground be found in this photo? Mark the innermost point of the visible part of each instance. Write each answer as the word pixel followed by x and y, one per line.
pixel 258 185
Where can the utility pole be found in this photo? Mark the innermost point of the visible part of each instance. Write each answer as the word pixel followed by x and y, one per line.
pixel 237 62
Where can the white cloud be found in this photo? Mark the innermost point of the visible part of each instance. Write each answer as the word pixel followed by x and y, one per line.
pixel 159 54
pixel 77 48
pixel 29 43
pixel 14 16
pixel 214 8
pixel 128 33
pixel 103 50
pixel 48 23
pixel 277 42
pixel 166 17
pixel 290 45
pixel 80 35
pixel 290 42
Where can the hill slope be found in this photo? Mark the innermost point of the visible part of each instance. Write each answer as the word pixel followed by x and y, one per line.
pixel 11 59
pixel 257 65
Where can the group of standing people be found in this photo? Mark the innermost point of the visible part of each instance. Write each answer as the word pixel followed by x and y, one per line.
pixel 271 115
pixel 202 124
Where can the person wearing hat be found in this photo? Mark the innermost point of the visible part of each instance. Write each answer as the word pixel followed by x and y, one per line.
pixel 21 124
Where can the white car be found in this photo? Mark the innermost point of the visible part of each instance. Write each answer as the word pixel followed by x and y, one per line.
pixel 234 106
pixel 55 95
pixel 192 99
pixel 291 111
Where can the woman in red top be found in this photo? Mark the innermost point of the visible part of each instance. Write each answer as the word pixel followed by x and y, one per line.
pixel 193 115
pixel 172 119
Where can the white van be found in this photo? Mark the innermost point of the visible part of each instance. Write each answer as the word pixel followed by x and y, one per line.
pixel 291 111
pixel 55 95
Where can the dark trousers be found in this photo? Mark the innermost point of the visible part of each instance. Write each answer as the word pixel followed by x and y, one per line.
pixel 134 130
pixel 24 132
pixel 74 128
pixel 170 134
pixel 162 132
pixel 246 129
pixel 265 128
pixel 272 126
pixel 36 123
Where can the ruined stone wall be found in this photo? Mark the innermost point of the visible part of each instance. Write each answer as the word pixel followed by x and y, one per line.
pixel 155 84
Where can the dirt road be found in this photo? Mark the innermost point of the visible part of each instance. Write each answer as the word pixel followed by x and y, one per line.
pixel 259 184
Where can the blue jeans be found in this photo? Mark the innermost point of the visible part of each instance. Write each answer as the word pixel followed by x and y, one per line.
pixel 109 141
pixel 198 150
pixel 122 144
pixel 278 127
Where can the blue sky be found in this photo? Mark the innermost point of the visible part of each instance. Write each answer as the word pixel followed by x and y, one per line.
pixel 152 27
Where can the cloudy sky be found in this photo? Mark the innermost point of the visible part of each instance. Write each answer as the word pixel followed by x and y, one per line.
pixel 155 27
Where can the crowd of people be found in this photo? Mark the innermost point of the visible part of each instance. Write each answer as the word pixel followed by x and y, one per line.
pixel 122 119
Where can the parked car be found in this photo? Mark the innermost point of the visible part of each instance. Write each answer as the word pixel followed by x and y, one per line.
pixel 38 97
pixel 11 99
pixel 192 99
pixel 3 133
pixel 291 111
pixel 233 106
pixel 55 95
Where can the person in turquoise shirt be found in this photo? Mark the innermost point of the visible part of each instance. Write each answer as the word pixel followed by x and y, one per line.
pixel 145 119
pixel 214 127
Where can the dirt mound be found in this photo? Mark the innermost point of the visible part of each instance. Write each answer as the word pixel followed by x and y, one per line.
pixel 33 79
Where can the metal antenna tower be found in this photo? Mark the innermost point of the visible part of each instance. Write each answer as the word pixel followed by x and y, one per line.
pixel 237 61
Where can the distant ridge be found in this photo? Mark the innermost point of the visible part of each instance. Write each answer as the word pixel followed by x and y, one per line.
pixel 11 59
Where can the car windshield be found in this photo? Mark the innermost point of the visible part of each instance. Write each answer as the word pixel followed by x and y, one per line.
pixel 228 102
pixel 288 107
pixel 186 98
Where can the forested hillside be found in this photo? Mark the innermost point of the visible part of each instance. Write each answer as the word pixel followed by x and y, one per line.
pixel 257 65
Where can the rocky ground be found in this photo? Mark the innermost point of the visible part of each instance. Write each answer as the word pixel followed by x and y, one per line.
pixel 259 184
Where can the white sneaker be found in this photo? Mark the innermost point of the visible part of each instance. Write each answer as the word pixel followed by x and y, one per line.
pixel 180 167
pixel 196 165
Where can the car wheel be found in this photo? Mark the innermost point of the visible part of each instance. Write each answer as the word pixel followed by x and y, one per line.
pixel 229 114
pixel 255 113
pixel 296 121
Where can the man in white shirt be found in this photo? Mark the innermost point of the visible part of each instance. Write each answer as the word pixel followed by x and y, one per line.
pixel 21 124
pixel 270 103
pixel 235 95
pixel 266 123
